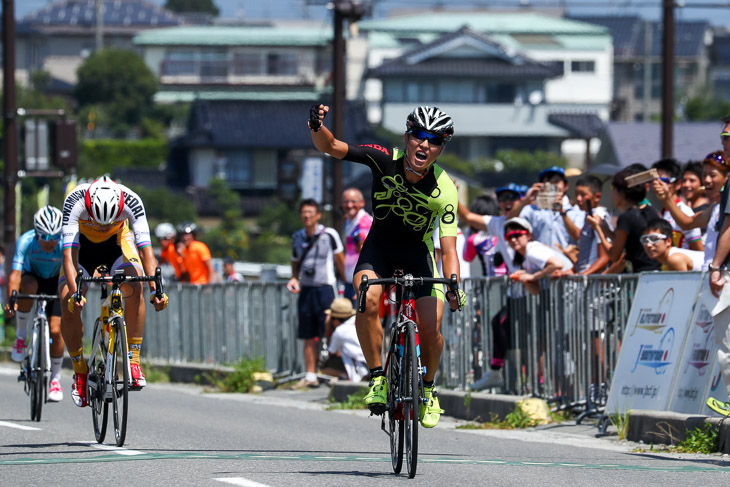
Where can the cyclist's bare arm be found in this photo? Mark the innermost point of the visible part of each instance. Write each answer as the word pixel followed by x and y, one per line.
pixel 13 285
pixel 450 263
pixel 323 139
pixel 70 265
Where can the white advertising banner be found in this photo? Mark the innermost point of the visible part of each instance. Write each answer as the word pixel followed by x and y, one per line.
pixel 311 183
pixel 651 351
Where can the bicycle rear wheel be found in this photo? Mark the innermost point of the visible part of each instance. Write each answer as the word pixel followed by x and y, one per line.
pixel 96 389
pixel 35 373
pixel 120 376
pixel 412 398
pixel 395 409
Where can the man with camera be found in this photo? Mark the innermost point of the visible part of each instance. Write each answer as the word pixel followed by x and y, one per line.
pixel 316 252
pixel 545 206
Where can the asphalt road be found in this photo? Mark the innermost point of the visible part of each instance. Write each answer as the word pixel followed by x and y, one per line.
pixel 181 435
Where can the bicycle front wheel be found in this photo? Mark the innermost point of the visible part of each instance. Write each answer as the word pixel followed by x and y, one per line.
pixel 96 388
pixel 35 373
pixel 412 397
pixel 395 408
pixel 120 378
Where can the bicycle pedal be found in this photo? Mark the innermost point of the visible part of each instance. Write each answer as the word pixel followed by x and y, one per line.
pixel 377 409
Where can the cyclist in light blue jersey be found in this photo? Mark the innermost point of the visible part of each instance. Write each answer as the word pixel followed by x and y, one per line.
pixel 36 265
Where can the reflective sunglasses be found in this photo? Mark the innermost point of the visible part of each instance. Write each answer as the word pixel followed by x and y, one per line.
pixel 725 136
pixel 652 238
pixel 667 180
pixel 48 238
pixel 716 157
pixel 515 234
pixel 507 196
pixel 422 135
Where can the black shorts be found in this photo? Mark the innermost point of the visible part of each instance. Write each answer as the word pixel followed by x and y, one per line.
pixel 48 285
pixel 416 260
pixel 313 301
pixel 92 255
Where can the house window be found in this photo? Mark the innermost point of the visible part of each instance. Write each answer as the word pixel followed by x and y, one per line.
pixel 251 169
pixel 214 64
pixel 179 63
pixel 453 91
pixel 281 63
pixel 248 64
pixel 412 92
pixel 583 66
pixel 238 166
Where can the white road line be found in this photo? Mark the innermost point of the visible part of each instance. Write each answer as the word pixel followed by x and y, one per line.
pixel 111 448
pixel 240 481
pixel 8 424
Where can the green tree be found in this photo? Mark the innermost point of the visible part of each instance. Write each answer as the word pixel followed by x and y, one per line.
pixel 182 6
pixel 163 205
pixel 119 82
pixel 706 107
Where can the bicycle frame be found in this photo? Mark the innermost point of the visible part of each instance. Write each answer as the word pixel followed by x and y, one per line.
pixel 36 367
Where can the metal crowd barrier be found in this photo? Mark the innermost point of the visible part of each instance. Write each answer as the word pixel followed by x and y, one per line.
pixel 563 343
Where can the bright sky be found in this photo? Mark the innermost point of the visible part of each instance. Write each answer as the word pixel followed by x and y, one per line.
pixel 291 9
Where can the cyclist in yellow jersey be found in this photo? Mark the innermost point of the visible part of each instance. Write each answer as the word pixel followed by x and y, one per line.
pixel 409 193
pixel 104 223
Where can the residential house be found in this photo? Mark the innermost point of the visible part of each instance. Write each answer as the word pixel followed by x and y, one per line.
pixel 59 36
pixel 501 75
pixel 258 147
pixel 638 63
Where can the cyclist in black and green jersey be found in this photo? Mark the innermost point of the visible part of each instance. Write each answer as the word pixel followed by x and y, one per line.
pixel 409 193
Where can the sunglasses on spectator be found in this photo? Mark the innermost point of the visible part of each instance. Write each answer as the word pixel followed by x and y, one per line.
pixel 667 180
pixel 48 238
pixel 652 238
pixel 507 196
pixel 725 136
pixel 422 135
pixel 515 234
pixel 717 157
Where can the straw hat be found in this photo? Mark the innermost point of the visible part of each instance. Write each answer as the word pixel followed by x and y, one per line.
pixel 341 309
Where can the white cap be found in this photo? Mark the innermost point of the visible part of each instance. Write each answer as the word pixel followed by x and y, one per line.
pixel 519 221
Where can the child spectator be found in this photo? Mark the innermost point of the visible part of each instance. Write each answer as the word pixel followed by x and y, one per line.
pixel 714 176
pixel 657 242
pixel 630 224
pixel 692 191
pixel 668 170
pixel 229 273
pixel 592 256
pixel 536 259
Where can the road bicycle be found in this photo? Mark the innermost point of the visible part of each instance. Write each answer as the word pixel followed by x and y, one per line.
pixel 403 369
pixel 109 379
pixel 36 367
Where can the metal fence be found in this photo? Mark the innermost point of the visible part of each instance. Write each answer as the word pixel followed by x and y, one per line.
pixel 563 343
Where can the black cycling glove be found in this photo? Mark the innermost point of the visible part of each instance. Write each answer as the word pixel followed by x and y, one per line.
pixel 314 122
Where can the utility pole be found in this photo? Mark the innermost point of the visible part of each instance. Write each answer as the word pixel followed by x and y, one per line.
pixel 668 80
pixel 351 11
pixel 10 132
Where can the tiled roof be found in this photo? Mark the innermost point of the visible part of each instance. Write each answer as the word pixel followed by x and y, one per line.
pixel 498 61
pixel 629 35
pixel 580 125
pixel 117 13
pixel 640 142
pixel 262 125
pixel 234 36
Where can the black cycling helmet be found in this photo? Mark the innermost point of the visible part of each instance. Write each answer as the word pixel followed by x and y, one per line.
pixel 187 227
pixel 431 119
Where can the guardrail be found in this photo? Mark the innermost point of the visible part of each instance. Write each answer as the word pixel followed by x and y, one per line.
pixel 563 344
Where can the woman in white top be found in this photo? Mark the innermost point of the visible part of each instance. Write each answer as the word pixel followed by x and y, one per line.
pixel 537 260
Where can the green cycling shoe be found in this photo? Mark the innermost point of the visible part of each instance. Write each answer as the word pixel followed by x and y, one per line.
pixel 431 411
pixel 377 396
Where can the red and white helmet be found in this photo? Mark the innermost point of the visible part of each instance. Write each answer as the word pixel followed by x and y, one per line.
pixel 104 201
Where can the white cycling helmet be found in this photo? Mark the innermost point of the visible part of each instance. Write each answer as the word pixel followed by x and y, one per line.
pixel 104 201
pixel 47 220
pixel 164 230
pixel 431 119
